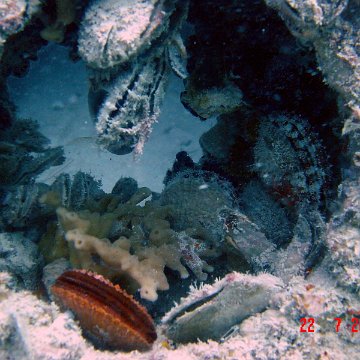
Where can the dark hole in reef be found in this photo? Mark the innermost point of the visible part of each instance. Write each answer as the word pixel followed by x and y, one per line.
pixel 276 75
pixel 129 125
pixel 96 259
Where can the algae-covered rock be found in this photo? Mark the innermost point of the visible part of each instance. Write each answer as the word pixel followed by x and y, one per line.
pixel 196 198
pixel 14 15
pixel 332 29
pixel 24 153
pixel 343 238
pixel 125 188
pixel 20 206
pixel 20 257
pixel 212 101
pixel 266 213
pixel 52 271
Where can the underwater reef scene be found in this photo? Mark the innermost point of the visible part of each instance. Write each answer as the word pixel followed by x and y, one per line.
pixel 250 250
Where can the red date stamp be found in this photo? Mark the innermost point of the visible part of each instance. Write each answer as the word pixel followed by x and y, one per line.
pixel 307 324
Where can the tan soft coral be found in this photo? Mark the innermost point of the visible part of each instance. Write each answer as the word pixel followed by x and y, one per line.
pixel 143 245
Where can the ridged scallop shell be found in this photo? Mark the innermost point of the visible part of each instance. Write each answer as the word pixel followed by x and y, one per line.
pixel 105 311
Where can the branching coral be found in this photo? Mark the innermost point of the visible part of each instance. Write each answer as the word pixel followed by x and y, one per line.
pixel 146 266
pixel 128 241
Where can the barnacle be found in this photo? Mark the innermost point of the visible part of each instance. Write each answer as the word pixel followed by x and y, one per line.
pixel 105 311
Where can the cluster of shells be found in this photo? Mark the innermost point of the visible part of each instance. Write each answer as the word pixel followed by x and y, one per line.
pixel 280 216
pixel 129 48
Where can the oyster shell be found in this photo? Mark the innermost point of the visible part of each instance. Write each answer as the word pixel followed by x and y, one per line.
pixel 115 31
pixel 129 47
pixel 132 105
pixel 232 299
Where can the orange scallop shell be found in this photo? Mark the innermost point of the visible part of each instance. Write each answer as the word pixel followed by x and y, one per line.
pixel 105 311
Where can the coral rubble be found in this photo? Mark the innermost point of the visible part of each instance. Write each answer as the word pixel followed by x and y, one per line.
pixel 31 328
pixel 274 332
pixel 276 328
pixel 343 239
